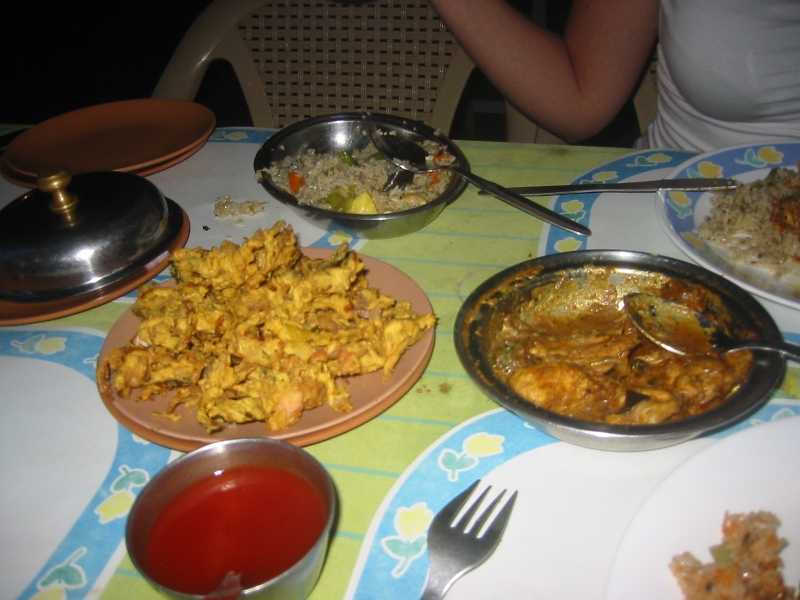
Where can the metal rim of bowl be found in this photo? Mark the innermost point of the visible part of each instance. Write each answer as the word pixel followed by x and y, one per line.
pixel 753 393
pixel 415 129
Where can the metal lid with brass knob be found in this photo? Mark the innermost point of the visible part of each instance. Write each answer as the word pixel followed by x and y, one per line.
pixel 74 235
pixel 56 181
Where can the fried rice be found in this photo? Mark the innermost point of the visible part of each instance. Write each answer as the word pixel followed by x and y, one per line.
pixel 746 565
pixel 758 223
pixel 335 180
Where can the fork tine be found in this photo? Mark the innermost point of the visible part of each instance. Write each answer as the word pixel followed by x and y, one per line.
pixel 488 512
pixel 497 526
pixel 451 508
pixel 467 516
pixel 455 551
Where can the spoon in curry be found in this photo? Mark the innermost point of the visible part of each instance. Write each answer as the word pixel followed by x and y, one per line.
pixel 409 155
pixel 681 330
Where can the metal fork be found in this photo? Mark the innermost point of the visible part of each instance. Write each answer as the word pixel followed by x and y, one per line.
pixel 456 548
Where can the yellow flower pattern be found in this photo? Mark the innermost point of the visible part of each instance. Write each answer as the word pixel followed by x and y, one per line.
pixel 680 203
pixel 474 448
pixel 413 521
pixel 693 240
pixel 484 444
pixel 763 157
pixel 236 136
pixel 709 169
pixel 603 176
pixel 659 158
pixel 41 344
pixel 650 160
pixel 51 593
pixel 119 503
pixel 568 244
pixel 339 237
pixel 411 524
pixel 573 207
pixel 116 506
pixel 770 155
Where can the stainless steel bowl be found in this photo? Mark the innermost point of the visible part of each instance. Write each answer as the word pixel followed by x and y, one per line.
pixel 350 131
pixel 496 295
pixel 76 235
pixel 299 579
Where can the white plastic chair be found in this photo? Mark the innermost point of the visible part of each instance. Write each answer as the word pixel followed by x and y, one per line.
pixel 299 59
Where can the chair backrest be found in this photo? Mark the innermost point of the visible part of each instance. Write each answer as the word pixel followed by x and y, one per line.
pixel 521 129
pixel 296 59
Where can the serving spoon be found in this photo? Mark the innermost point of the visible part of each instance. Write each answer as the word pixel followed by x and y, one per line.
pixel 410 156
pixel 681 330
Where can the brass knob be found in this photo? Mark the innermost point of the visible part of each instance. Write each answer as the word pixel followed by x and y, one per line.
pixel 55 181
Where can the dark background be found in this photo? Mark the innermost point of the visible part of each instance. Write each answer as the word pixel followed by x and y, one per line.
pixel 58 56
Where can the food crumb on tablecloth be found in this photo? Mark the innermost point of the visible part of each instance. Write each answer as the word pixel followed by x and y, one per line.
pixel 225 208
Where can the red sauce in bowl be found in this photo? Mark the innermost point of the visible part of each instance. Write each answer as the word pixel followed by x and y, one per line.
pixel 257 521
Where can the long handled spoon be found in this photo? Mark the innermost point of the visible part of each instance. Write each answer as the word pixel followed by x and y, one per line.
pixel 410 156
pixel 681 330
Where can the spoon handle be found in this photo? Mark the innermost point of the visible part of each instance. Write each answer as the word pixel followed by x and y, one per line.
pixel 791 351
pixel 522 203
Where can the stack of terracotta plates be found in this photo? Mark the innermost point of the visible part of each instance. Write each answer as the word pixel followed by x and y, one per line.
pixel 135 136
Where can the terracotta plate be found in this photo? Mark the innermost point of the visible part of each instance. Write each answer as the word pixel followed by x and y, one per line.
pixel 172 161
pixel 14 176
pixel 370 395
pixel 118 136
pixel 20 313
pixel 23 180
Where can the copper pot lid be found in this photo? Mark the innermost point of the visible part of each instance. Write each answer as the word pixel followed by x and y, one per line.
pixel 78 235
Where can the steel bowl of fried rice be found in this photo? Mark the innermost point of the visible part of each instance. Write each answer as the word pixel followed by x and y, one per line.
pixel 328 172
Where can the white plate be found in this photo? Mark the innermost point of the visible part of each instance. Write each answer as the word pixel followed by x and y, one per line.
pixel 572 511
pixel 681 212
pixel 755 469
pixel 70 473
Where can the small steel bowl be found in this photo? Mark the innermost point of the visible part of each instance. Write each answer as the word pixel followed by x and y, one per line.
pixel 497 295
pixel 351 131
pixel 295 582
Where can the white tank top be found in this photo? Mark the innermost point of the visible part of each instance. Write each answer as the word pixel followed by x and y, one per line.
pixel 728 74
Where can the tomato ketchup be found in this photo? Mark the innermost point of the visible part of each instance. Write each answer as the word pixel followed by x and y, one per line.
pixel 256 520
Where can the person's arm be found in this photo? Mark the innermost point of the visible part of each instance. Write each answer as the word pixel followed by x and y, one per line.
pixel 572 86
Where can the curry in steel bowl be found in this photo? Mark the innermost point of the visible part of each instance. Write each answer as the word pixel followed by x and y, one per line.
pixel 550 340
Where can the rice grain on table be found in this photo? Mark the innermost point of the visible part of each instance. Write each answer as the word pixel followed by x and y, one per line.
pixel 740 225
pixel 224 207
pixel 324 173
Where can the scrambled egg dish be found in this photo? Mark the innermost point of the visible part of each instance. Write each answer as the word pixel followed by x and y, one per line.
pixel 259 332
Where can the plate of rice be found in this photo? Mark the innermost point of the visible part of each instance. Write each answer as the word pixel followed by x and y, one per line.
pixel 689 533
pixel 750 235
